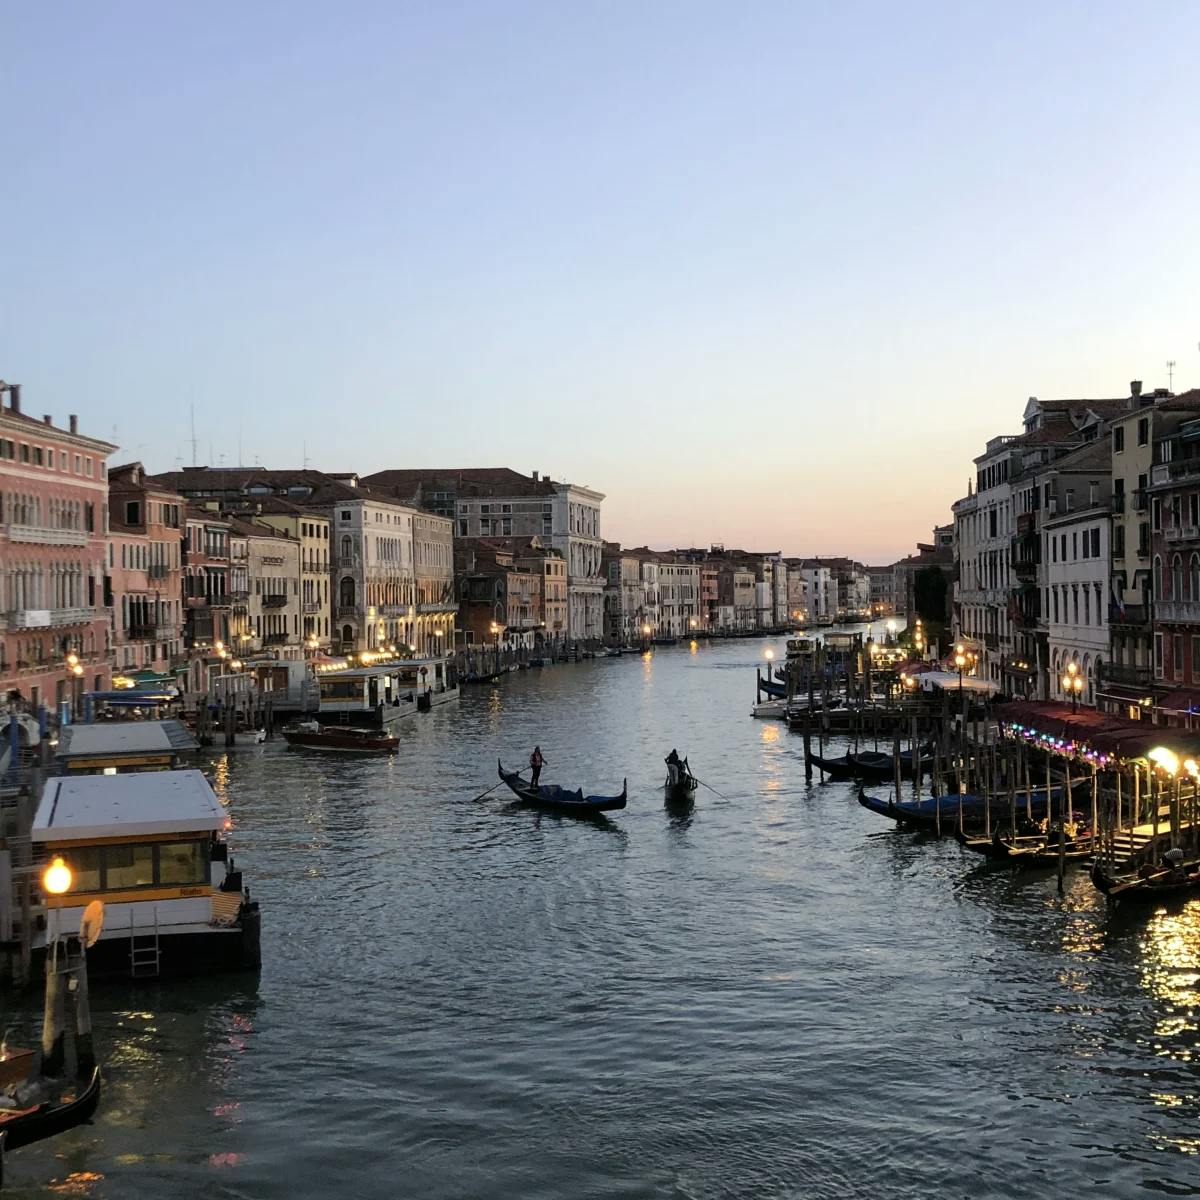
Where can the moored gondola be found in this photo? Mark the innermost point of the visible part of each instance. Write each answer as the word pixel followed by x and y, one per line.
pixel 878 766
pixel 1149 885
pixel 835 768
pixel 950 811
pixel 553 798
pixel 24 1126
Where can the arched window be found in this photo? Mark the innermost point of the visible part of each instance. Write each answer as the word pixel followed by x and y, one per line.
pixel 1194 577
pixel 346 593
pixel 1177 578
pixel 1159 579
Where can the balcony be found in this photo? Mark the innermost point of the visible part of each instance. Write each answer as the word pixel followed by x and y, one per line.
pixel 45 536
pixel 1026 524
pixel 239 595
pixel 44 618
pixel 311 607
pixel 392 610
pixel 158 571
pixel 275 600
pixel 275 639
pixel 1025 570
pixel 1177 610
pixel 1118 502
pixel 348 561
pixel 347 610
pixel 1184 468
pixel 1182 533
pixel 1141 500
pixel 1134 614
pixel 991 641
pixel 1128 675
pixel 142 632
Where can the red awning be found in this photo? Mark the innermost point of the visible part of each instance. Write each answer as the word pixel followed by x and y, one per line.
pixel 1102 731
pixel 1181 701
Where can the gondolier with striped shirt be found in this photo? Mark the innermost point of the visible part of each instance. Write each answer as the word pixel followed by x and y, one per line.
pixel 535 765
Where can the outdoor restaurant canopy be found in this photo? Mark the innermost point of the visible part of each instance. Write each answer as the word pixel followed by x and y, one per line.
pixel 1102 732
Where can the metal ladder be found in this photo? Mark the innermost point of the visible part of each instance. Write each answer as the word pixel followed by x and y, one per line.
pixel 144 956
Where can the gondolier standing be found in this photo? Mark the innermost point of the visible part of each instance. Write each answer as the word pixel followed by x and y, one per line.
pixel 535 765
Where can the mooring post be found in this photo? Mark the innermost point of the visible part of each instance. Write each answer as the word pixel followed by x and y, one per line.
pixel 53 1033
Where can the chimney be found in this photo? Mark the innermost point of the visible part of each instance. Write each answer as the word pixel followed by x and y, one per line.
pixel 74 423
pixel 47 418
pixel 14 397
pixel 534 476
pixel 1135 388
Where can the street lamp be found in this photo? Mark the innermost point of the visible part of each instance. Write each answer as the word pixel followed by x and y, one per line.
pixel 56 878
pixel 769 655
pixel 1072 683
pixel 891 628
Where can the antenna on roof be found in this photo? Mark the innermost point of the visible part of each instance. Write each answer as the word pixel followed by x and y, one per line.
pixel 193 413
pixel 1171 374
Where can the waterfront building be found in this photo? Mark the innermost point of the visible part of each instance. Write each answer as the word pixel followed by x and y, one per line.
pixel 989 610
pixel 797 591
pixel 936 554
pixel 207 595
pixel 1151 419
pixel 882 582
pixel 54 621
pixel 548 563
pixel 268 617
pixel 1072 584
pixel 1174 494
pixel 372 553
pixel 500 602
pixel 821 588
pixel 145 568
pixel 311 530
pixel 679 597
pixel 624 595
pixel 496 502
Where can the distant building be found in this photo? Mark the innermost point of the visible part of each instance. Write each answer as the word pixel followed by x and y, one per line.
pixel 145 552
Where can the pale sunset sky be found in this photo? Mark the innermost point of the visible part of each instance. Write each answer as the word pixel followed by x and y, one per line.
pixel 767 274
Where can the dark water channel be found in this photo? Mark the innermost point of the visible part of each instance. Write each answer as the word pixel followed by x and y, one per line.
pixel 771 996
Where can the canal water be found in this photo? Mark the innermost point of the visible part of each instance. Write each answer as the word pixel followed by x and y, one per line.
pixel 772 995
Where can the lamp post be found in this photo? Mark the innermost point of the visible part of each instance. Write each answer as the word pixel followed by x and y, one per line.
pixel 769 655
pixel 1072 683
pixel 645 637
pixel 891 629
pixel 56 880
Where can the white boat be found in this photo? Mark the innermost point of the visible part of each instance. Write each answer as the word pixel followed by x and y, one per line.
pixel 382 696
pixel 150 845
pixel 771 709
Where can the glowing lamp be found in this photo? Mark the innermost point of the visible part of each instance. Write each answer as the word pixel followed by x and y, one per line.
pixel 1166 759
pixel 56 878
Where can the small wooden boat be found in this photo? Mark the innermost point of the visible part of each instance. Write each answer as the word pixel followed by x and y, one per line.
pixel 23 1126
pixel 313 736
pixel 680 786
pixel 1029 850
pixel 777 691
pixel 1149 886
pixel 557 799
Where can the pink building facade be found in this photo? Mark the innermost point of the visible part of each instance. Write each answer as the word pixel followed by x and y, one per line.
pixel 54 620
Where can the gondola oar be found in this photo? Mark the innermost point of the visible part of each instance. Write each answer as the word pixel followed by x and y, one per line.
pixel 710 788
pixel 488 792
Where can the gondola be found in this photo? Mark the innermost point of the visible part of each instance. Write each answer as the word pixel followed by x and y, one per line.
pixel 553 798
pixel 934 812
pixel 1168 883
pixel 835 768
pixel 874 764
pixel 777 691
pixel 1028 850
pixel 680 786
pixel 24 1126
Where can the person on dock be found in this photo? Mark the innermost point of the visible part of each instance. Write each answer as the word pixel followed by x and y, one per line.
pixel 536 762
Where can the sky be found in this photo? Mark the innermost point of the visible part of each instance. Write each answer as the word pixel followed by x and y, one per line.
pixel 765 274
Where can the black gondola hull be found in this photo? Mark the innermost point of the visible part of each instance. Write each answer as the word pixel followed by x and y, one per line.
pixel 50 1119
pixel 556 799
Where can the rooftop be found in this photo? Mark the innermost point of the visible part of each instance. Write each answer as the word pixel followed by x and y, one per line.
pixel 82 808
pixel 119 738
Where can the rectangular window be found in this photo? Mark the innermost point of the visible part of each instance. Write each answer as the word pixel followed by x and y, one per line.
pixel 1118 439
pixel 78 464
pixel 1143 431
pixel 62 460
pixel 1074 546
pixel 128 866
pixel 1087 545
pixel 1177 654
pixel 1195 657
pixel 182 863
pixel 24 452
pixel 84 862
pixel 1118 541
pixel 37 456
pixel 1156 514
pixel 1158 655
pixel 1062 548
pixel 1096 542
pixel 345 514
pixel 87 467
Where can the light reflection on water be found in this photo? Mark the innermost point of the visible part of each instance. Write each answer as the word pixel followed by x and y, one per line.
pixel 767 995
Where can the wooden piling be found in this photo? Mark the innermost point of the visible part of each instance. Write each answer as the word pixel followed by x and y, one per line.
pixel 53 1033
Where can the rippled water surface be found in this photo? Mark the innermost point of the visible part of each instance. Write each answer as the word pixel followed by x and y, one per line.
pixel 771 996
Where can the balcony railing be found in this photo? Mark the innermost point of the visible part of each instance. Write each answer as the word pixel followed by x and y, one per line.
pixel 158 571
pixel 239 595
pixel 1141 500
pixel 348 560
pixel 275 639
pixel 1177 610
pixel 143 630
pixel 310 607
pixel 1129 675
pixel 1183 468
pixel 275 600
pixel 44 618
pixel 1024 569
pixel 347 610
pixel 1181 533
pixel 46 536
pixel 1134 614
